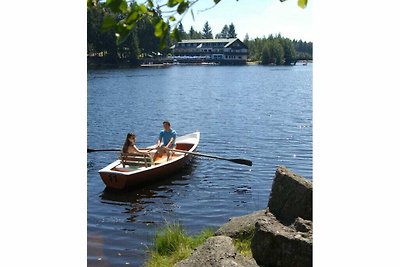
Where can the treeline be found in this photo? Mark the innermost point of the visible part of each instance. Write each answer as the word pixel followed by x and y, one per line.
pixel 206 33
pixel 102 47
pixel 277 50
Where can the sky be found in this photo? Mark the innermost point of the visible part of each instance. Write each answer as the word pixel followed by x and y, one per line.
pixel 255 17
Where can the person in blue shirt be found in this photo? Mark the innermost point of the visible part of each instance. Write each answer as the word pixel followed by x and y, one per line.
pixel 167 139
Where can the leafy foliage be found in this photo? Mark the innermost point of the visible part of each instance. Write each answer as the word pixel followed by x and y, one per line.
pixel 124 17
pixel 150 36
pixel 103 47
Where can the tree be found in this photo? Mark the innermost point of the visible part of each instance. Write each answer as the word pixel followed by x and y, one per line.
pixel 231 31
pixel 289 51
pixel 194 34
pixel 266 54
pixel 246 39
pixel 182 34
pixel 224 33
pixel 134 12
pixel 207 32
pixel 100 42
pixel 191 32
pixel 277 52
pixel 148 43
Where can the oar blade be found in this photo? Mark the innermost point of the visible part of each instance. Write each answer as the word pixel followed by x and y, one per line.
pixel 242 161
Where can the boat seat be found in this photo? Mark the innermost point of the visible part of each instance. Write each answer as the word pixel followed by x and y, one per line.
pixel 136 159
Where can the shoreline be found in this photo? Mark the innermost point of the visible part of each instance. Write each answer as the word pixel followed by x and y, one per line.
pixel 114 66
pixel 280 235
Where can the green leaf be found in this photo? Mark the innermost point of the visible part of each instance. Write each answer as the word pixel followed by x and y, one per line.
pixel 108 23
pixel 131 26
pixel 123 6
pixel 117 5
pixel 182 7
pixel 302 3
pixel 165 28
pixel 158 28
pixel 163 43
pixel 121 36
pixel 216 1
pixel 133 17
pixel 175 34
pixel 121 31
pixel 150 3
pixel 172 18
pixel 142 9
pixel 172 3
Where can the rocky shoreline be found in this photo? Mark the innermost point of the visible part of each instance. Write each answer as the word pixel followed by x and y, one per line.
pixel 281 235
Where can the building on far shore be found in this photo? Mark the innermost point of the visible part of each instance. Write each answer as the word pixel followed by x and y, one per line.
pixel 223 51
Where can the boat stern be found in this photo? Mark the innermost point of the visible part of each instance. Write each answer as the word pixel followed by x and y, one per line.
pixel 113 180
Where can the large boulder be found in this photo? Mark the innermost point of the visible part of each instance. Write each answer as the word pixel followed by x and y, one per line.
pixel 217 251
pixel 291 196
pixel 241 226
pixel 275 244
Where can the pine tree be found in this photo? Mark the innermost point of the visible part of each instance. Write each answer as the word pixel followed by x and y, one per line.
pixel 207 32
pixel 191 32
pixel 223 33
pixel 182 34
pixel 232 31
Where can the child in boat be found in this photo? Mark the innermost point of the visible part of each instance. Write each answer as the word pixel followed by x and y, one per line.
pixel 130 145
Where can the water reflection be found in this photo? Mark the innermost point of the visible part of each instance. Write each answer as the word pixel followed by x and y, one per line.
pixel 137 199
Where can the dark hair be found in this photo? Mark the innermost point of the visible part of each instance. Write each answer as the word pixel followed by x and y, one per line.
pixel 127 142
pixel 167 122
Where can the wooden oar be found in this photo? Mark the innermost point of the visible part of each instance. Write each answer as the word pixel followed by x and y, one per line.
pixel 239 161
pixel 89 150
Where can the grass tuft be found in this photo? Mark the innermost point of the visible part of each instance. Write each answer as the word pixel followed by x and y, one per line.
pixel 173 244
pixel 243 244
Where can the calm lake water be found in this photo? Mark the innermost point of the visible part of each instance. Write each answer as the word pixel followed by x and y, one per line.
pixel 259 113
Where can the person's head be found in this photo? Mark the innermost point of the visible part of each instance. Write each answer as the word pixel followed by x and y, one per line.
pixel 167 125
pixel 130 139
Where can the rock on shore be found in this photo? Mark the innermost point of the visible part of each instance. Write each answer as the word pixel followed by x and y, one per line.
pixel 282 232
pixel 284 236
pixel 240 226
pixel 217 251
pixel 275 244
pixel 291 196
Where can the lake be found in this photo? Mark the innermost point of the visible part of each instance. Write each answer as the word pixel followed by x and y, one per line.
pixel 255 112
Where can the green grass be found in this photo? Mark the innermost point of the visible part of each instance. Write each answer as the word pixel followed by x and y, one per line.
pixel 173 244
pixel 243 244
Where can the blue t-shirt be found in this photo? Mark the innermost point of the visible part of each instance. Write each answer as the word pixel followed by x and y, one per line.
pixel 166 136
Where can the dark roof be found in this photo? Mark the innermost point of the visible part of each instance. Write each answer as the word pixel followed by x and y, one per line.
pixel 227 41
pixel 222 40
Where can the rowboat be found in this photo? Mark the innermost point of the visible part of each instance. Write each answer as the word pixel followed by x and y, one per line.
pixel 131 170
